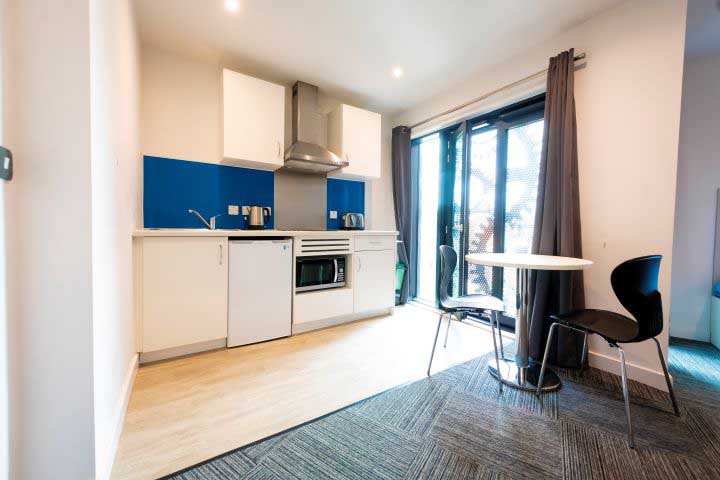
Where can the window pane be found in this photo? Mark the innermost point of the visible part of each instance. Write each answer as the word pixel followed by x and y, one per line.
pixel 481 207
pixel 429 188
pixel 523 164
pixel 457 220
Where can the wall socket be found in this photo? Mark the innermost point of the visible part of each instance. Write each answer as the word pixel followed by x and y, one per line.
pixel 233 210
pixel 333 214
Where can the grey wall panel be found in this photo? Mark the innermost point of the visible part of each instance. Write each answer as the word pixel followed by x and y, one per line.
pixel 300 201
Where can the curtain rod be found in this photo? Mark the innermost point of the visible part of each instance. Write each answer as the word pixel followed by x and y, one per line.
pixel 580 56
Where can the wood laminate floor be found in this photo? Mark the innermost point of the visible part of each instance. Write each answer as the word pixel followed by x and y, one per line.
pixel 187 410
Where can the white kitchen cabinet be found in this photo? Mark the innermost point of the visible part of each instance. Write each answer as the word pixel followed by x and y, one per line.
pixel 253 122
pixel 355 135
pixel 322 304
pixel 184 291
pixel 374 280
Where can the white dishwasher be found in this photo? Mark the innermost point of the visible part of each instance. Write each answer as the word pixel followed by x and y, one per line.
pixel 260 290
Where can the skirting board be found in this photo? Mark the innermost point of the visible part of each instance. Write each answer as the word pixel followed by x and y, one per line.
pixel 103 469
pixel 174 352
pixel 331 322
pixel 635 372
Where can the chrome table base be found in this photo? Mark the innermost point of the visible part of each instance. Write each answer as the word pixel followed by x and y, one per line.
pixel 525 378
pixel 521 373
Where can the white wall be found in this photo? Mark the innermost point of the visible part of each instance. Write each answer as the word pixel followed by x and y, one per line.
pixel 4 380
pixel 379 201
pixel 116 212
pixel 49 237
pixel 628 113
pixel 697 183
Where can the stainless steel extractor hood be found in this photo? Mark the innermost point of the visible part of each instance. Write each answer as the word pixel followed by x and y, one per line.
pixel 306 153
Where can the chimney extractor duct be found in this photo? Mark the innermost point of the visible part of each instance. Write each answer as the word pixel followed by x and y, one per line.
pixel 306 154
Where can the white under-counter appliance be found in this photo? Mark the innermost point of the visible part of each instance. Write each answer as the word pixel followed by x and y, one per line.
pixel 260 290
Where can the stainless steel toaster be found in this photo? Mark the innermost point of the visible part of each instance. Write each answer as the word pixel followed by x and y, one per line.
pixel 353 221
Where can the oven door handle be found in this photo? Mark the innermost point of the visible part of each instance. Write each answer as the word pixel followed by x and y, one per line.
pixel 335 266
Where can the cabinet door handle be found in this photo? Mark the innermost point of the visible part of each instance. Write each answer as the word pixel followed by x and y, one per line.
pixel 359 264
pixel 221 254
pixel 278 144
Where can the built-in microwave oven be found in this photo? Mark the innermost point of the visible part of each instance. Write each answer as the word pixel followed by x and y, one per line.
pixel 317 273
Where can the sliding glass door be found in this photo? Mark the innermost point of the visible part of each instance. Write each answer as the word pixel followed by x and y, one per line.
pixel 485 176
pixel 429 169
pixel 500 185
pixel 524 145
pixel 481 213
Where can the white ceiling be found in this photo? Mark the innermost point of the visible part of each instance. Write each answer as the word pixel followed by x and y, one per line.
pixel 348 47
pixel 703 28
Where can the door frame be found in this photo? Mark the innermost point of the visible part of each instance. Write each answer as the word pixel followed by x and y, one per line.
pixel 503 119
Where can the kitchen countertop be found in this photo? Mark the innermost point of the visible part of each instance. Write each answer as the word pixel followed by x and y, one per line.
pixel 203 232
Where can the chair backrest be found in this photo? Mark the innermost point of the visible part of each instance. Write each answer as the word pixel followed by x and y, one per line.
pixel 448 260
pixel 635 283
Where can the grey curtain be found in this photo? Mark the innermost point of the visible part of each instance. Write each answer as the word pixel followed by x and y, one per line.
pixel 557 219
pixel 403 198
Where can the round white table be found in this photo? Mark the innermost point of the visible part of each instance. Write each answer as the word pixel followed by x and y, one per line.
pixel 519 373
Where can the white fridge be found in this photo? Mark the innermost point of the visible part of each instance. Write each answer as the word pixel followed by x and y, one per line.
pixel 260 290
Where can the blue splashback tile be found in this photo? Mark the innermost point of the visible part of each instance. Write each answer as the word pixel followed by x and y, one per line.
pixel 171 187
pixel 344 196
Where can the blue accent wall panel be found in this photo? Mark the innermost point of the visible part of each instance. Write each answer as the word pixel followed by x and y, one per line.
pixel 171 187
pixel 344 196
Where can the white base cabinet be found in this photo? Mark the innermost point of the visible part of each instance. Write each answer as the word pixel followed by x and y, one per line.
pixel 184 291
pixel 374 280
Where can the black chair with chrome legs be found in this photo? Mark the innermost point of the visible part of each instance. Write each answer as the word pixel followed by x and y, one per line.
pixel 635 283
pixel 467 304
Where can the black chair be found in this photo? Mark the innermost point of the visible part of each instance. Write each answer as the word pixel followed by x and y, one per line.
pixel 460 306
pixel 635 283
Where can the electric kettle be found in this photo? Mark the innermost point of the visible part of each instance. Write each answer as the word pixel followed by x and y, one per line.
pixel 256 217
pixel 353 221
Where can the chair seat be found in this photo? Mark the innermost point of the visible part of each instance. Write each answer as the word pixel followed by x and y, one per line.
pixel 474 302
pixel 610 325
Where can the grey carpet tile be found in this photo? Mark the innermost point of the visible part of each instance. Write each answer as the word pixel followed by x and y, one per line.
pixel 411 408
pixel 693 391
pixel 481 383
pixel 342 446
pixel 467 373
pixel 693 359
pixel 601 410
pixel 474 377
pixel 612 383
pixel 436 463
pixel 689 391
pixel 592 454
pixel 261 472
pixel 453 376
pixel 695 366
pixel 705 424
pixel 257 451
pixel 456 425
pixel 233 466
pixel 499 436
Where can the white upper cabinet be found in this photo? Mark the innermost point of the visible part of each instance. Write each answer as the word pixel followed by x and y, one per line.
pixel 355 135
pixel 253 121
